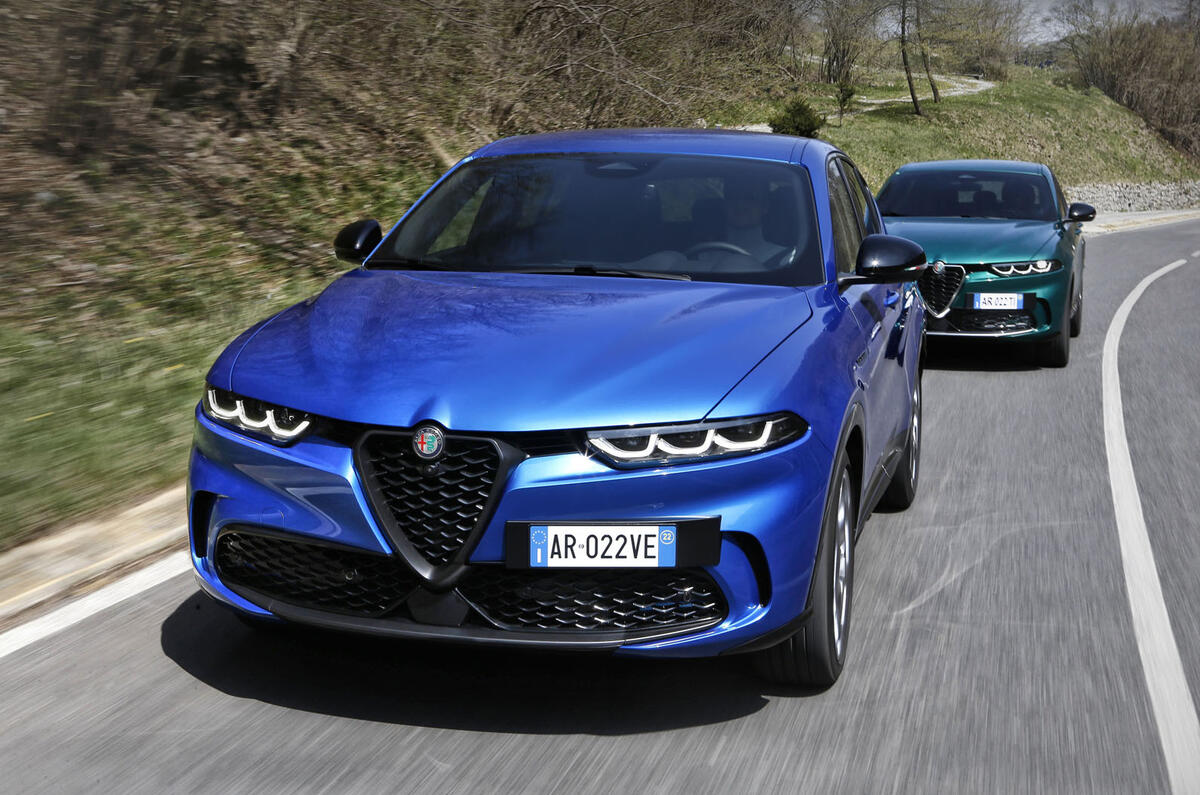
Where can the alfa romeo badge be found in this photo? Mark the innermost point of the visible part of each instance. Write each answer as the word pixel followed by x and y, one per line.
pixel 428 441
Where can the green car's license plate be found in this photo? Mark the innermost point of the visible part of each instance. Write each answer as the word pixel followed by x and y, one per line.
pixel 997 301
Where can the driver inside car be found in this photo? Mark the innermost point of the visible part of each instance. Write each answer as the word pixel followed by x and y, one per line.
pixel 746 205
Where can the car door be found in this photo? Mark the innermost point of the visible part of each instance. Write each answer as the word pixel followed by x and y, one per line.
pixel 876 308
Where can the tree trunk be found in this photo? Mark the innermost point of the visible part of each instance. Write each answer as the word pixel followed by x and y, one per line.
pixel 924 55
pixel 912 89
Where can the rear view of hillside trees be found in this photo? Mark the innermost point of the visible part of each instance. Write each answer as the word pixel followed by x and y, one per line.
pixel 966 36
pixel 1149 64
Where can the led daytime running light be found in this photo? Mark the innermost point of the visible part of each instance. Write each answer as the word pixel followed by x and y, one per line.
pixel 238 416
pixel 1024 268
pixel 658 447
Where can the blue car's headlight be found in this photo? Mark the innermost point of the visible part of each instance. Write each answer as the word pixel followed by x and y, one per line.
pixel 702 441
pixel 277 423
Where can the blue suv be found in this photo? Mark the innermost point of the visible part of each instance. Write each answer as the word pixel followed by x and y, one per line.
pixel 625 390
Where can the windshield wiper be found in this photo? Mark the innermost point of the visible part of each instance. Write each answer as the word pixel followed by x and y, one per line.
pixel 588 270
pixel 411 263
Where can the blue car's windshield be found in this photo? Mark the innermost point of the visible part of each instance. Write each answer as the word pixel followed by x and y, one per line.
pixel 668 216
pixel 968 194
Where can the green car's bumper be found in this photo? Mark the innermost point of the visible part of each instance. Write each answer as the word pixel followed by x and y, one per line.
pixel 1042 311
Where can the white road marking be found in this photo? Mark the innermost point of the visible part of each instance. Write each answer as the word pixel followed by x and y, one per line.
pixel 72 613
pixel 1170 697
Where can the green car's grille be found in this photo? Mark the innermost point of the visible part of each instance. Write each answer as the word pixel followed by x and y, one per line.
pixel 940 285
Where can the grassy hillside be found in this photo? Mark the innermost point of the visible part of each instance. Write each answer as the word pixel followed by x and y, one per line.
pixel 1083 135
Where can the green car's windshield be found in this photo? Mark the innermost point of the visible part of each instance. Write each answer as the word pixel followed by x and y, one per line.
pixel 968 194
pixel 647 216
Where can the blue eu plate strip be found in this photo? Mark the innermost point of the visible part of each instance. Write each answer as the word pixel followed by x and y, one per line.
pixel 539 535
pixel 666 545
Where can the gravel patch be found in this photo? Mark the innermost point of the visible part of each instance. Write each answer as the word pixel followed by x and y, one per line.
pixel 1120 197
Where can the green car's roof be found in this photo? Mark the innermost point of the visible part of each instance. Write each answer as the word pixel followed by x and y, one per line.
pixel 1009 166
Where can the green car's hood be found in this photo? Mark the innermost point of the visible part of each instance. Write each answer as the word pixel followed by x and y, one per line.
pixel 974 240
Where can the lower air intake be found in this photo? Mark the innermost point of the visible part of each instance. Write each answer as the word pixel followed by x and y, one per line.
pixel 596 600
pixel 316 576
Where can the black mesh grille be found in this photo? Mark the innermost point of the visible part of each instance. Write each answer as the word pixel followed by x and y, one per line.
pixel 617 601
pixel 313 575
pixel 991 321
pixel 435 511
pixel 939 289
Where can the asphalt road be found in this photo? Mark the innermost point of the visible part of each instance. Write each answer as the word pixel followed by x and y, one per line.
pixel 992 644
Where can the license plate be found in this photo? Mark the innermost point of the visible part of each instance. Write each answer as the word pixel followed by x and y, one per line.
pixel 602 546
pixel 998 301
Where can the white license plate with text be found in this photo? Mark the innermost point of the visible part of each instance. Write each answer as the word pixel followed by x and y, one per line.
pixel 602 546
pixel 998 301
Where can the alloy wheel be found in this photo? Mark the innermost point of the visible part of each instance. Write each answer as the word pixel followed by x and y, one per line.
pixel 842 550
pixel 914 442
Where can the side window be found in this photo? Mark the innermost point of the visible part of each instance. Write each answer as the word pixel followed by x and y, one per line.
pixel 846 233
pixel 871 222
pixel 1059 197
pixel 864 208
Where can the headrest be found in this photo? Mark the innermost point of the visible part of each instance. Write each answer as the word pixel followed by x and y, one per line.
pixel 779 221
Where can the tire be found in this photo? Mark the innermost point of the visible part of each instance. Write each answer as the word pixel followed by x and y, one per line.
pixel 1077 315
pixel 902 490
pixel 1056 351
pixel 816 653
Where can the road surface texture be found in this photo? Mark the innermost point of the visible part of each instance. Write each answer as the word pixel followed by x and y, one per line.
pixel 992 644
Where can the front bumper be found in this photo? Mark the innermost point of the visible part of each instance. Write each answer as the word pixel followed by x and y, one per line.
pixel 769 506
pixel 1042 315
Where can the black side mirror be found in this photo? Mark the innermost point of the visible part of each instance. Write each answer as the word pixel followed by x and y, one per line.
pixel 357 240
pixel 1078 211
pixel 886 259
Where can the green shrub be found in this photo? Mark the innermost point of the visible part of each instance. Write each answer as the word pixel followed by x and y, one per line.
pixel 797 118
pixel 844 95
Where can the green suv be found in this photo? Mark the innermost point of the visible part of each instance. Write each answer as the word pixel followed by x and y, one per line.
pixel 1006 249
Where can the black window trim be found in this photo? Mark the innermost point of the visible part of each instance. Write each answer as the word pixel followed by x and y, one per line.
pixel 837 158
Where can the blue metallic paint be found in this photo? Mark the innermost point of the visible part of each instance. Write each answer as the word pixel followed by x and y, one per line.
pixel 505 352
pixel 508 352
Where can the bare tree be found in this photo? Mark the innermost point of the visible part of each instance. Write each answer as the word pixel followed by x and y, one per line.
pixel 921 48
pixel 847 26
pixel 912 90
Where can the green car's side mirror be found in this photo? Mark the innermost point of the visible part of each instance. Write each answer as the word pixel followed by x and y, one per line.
pixel 1080 212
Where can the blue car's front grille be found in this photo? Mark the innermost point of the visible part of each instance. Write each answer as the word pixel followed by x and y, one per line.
pixel 435 505
pixel 319 576
pixel 597 600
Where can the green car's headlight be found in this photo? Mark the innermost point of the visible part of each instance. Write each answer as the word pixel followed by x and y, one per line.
pixel 1024 268
pixel 277 423
pixel 701 441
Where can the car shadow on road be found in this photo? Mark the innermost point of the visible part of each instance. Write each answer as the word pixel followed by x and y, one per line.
pixel 945 353
pixel 457 687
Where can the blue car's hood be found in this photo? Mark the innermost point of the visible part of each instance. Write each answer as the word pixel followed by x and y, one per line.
pixel 508 352
pixel 975 240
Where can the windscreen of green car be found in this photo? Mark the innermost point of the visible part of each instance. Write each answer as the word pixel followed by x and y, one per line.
pixel 658 216
pixel 968 194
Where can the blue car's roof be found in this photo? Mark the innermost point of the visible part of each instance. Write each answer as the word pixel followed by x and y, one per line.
pixel 661 140
pixel 1010 166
